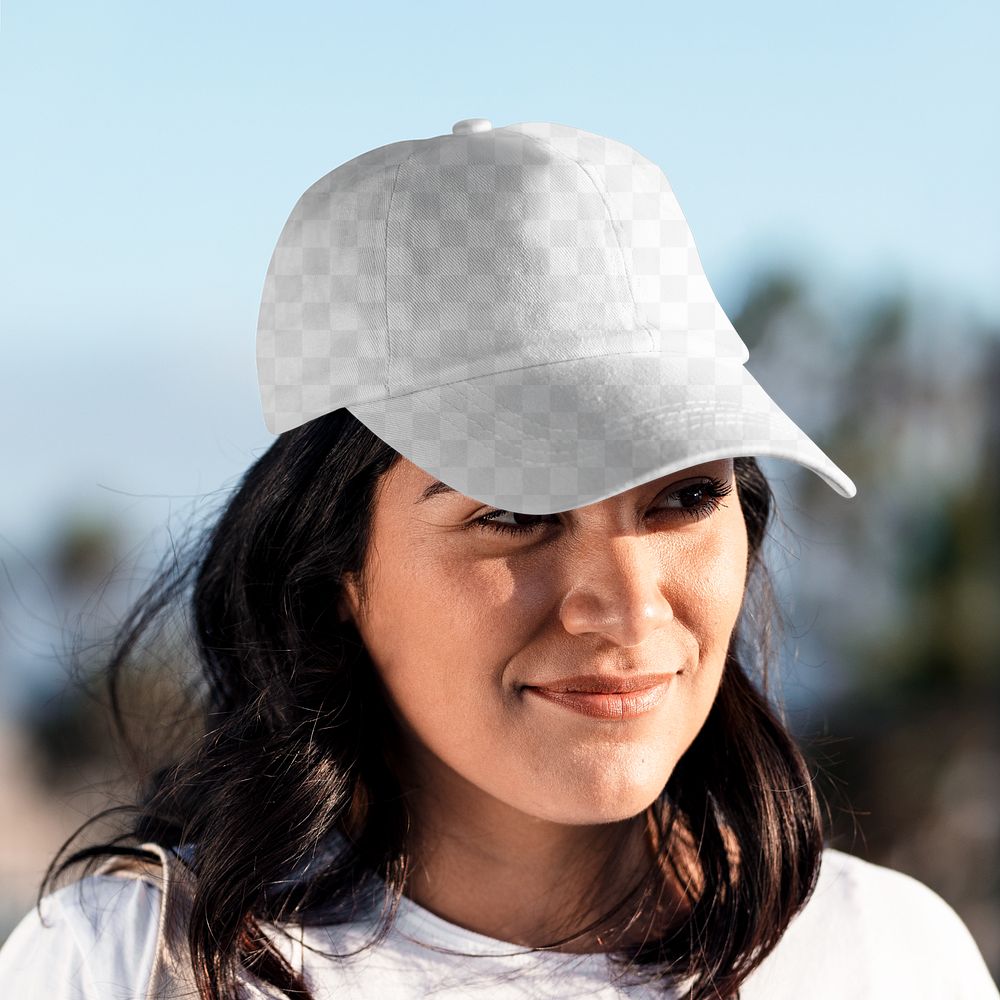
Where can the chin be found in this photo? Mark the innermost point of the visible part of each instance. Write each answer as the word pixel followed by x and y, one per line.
pixel 576 808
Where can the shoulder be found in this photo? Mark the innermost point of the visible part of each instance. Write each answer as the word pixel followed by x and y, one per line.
pixel 868 930
pixel 895 907
pixel 94 940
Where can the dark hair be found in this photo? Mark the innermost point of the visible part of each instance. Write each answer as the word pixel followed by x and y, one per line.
pixel 291 746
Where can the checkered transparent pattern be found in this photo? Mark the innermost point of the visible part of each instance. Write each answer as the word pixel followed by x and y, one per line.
pixel 521 311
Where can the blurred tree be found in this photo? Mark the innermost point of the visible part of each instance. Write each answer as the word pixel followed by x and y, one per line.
pixel 83 552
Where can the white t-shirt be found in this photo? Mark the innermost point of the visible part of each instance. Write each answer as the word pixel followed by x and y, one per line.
pixel 867 933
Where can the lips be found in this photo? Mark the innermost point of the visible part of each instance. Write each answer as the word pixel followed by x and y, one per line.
pixel 614 705
pixel 603 683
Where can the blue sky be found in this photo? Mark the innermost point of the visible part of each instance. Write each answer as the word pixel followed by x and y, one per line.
pixel 149 155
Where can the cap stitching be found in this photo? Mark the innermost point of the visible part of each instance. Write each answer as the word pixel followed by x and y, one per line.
pixel 589 446
pixel 716 404
pixel 718 407
pixel 385 259
pixel 614 227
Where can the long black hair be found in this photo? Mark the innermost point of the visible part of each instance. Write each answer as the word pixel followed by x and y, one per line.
pixel 294 737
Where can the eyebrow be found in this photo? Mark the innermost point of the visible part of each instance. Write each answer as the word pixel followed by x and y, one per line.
pixel 434 489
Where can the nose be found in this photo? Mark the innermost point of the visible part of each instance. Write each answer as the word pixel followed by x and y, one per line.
pixel 617 591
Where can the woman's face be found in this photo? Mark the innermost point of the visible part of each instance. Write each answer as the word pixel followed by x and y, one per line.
pixel 463 619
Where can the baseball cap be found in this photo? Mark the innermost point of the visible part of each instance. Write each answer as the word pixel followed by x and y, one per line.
pixel 521 312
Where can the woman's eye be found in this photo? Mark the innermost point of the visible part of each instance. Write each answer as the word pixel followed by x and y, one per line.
pixel 696 500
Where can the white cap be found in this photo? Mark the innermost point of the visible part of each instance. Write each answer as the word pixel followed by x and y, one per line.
pixel 519 311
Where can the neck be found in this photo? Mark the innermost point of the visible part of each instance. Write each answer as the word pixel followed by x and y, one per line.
pixel 532 882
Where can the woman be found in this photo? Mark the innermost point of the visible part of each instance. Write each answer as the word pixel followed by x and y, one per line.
pixel 452 749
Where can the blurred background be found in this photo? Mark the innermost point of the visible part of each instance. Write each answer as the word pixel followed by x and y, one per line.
pixel 838 171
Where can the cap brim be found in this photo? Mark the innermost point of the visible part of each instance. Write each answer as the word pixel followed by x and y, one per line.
pixel 554 437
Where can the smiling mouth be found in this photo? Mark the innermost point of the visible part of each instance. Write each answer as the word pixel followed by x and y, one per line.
pixel 608 705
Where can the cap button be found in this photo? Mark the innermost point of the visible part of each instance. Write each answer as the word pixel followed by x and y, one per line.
pixel 471 125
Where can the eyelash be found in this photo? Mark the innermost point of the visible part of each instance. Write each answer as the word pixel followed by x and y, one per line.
pixel 714 490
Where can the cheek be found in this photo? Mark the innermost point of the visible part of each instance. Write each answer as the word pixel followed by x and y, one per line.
pixel 439 641
pixel 708 593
